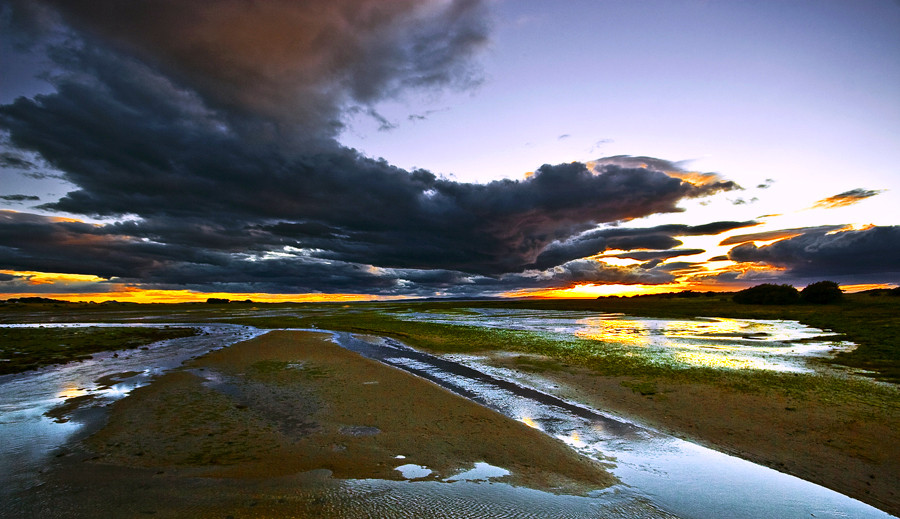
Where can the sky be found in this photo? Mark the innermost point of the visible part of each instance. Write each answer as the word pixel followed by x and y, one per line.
pixel 174 150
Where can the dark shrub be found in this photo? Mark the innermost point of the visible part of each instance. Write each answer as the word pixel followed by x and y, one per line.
pixel 767 294
pixel 217 301
pixel 822 293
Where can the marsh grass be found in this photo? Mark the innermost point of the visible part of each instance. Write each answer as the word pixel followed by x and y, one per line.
pixel 553 352
pixel 23 349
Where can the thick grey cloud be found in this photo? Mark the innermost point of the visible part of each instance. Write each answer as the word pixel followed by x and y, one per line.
pixel 173 127
pixel 297 64
pixel 159 156
pixel 820 253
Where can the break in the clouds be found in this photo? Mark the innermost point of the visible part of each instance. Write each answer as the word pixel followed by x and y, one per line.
pixel 656 239
pixel 872 253
pixel 778 234
pixel 846 198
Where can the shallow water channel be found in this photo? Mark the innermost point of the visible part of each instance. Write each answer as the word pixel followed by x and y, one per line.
pixel 661 476
pixel 30 438
pixel 679 477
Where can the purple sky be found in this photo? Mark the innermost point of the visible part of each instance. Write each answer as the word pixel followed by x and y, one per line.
pixel 207 147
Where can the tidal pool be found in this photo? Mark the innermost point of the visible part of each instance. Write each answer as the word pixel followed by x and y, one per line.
pixel 777 345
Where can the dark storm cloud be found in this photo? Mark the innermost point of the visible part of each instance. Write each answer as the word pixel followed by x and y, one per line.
pixel 846 198
pixel 818 252
pixel 167 159
pixel 176 125
pixel 298 63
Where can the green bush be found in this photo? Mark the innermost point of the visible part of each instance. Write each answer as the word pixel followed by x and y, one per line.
pixel 822 293
pixel 767 294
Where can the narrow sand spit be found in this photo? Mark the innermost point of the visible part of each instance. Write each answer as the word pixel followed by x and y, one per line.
pixel 259 426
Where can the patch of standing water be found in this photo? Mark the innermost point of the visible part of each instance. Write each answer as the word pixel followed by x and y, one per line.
pixel 411 471
pixel 30 436
pixel 480 472
pixel 777 345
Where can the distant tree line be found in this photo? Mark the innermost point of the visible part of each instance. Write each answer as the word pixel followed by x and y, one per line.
pixel 822 293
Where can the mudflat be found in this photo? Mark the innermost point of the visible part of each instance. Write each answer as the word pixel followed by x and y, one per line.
pixel 270 427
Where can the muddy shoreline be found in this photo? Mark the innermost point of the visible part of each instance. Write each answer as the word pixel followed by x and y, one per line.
pixel 850 447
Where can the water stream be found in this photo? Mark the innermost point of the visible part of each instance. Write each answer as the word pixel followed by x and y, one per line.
pixel 680 477
pixel 30 437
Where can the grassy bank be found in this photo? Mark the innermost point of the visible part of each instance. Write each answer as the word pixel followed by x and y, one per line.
pixel 23 349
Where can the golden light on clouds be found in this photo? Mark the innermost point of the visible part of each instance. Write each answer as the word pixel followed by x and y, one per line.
pixel 781 234
pixel 50 278
pixel 846 198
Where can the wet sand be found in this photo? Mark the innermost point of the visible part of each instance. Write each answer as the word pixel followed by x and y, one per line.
pixel 850 447
pixel 271 426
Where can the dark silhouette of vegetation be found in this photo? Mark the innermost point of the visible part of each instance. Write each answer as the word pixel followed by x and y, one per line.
pixel 767 294
pixel 32 300
pixel 822 293
pixel 217 301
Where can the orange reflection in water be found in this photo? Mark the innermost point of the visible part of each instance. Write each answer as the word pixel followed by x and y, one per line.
pixel 714 360
pixel 71 391
pixel 529 422
pixel 714 343
pixel 623 331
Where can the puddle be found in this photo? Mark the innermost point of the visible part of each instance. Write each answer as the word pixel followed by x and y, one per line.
pixel 481 472
pixel 410 471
